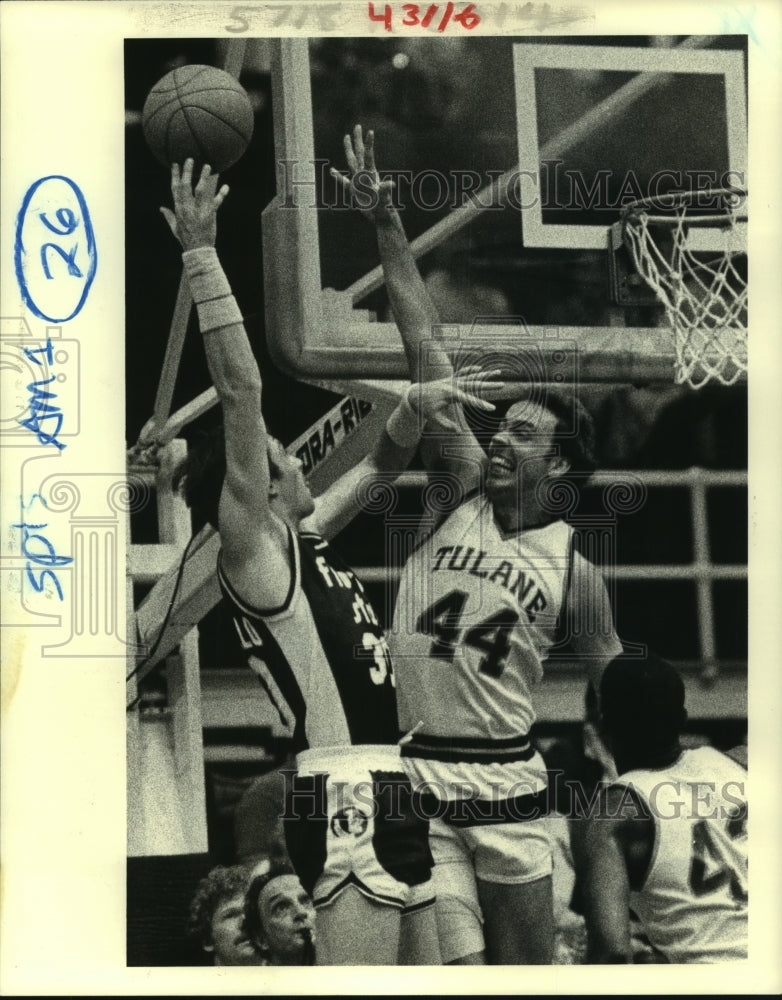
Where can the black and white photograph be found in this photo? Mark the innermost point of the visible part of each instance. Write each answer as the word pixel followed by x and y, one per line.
pixel 390 497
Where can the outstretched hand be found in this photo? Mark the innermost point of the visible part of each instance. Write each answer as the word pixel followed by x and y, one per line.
pixel 368 193
pixel 194 219
pixel 430 400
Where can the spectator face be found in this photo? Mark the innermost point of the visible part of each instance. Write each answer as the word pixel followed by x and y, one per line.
pixel 288 920
pixel 230 944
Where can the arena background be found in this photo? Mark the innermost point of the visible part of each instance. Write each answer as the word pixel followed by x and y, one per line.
pixel 691 531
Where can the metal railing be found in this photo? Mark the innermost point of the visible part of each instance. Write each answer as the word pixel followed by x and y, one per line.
pixel 700 569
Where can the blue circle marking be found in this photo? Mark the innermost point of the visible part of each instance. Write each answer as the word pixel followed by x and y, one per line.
pixel 55 256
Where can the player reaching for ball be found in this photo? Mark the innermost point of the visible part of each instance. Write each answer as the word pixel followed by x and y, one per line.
pixel 309 631
pixel 503 583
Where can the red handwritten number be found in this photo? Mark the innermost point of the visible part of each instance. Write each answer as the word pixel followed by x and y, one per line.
pixel 385 17
pixel 446 17
pixel 469 18
pixel 426 20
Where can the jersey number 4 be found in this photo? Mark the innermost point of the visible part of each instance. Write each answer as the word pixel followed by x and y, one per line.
pixel 442 620
pixel 710 869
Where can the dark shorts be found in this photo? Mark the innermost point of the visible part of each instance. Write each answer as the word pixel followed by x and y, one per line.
pixel 350 822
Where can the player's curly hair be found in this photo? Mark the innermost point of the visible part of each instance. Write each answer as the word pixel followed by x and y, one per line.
pixel 222 882
pixel 199 476
pixel 574 432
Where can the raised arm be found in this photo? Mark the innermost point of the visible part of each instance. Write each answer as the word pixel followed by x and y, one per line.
pixel 413 309
pixel 248 528
pixel 397 443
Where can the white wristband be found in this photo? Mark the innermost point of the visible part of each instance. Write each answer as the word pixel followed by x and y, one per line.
pixel 403 426
pixel 211 292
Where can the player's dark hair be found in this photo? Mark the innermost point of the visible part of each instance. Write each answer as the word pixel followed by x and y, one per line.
pixel 574 432
pixel 200 476
pixel 221 883
pixel 642 703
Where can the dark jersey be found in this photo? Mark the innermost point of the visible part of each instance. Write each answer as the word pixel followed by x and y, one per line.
pixel 321 656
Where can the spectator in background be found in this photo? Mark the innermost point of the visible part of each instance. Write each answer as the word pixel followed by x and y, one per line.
pixel 280 918
pixel 217 917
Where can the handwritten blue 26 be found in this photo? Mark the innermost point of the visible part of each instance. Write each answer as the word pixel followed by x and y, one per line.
pixel 54 251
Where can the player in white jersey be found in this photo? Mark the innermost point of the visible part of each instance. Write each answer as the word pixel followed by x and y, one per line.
pixel 669 839
pixel 491 588
pixel 308 630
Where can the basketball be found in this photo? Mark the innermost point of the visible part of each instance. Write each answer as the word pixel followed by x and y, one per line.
pixel 198 111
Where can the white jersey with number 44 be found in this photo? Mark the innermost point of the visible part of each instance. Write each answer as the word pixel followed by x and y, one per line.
pixel 476 613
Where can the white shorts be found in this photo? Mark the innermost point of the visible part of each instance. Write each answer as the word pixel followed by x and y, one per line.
pixel 487 822
pixel 451 780
pixel 350 820
pixel 512 853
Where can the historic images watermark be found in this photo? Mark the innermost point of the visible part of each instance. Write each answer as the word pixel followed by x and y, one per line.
pixel 552 187
pixel 467 803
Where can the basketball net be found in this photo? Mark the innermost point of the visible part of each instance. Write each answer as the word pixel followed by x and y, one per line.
pixel 704 294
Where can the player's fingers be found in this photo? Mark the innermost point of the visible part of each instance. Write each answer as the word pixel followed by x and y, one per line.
pixel 221 196
pixel 467 397
pixel 477 369
pixel 349 154
pixel 358 146
pixel 187 173
pixel 475 382
pixel 369 151
pixel 177 189
pixel 477 366
pixel 341 178
pixel 170 218
pixel 176 176
pixel 210 188
pixel 204 180
pixel 478 384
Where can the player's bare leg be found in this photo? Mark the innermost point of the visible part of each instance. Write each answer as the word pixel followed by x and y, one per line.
pixel 518 921
pixel 355 930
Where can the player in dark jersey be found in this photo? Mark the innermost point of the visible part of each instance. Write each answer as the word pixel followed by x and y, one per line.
pixel 670 836
pixel 493 585
pixel 308 629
